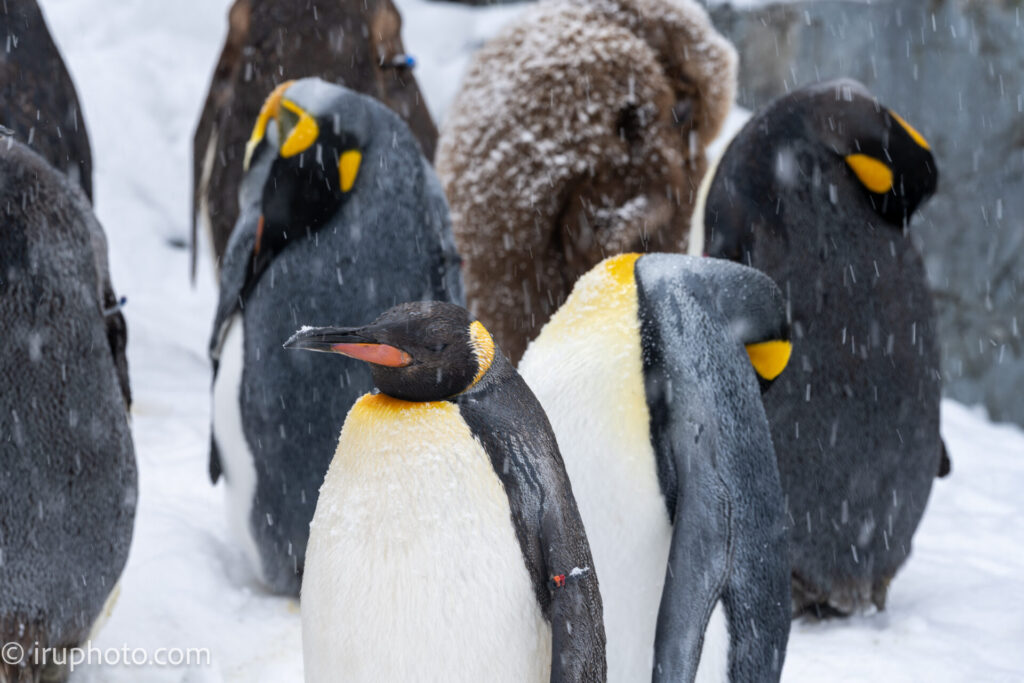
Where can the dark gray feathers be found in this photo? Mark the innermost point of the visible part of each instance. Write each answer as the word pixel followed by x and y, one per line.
pixel 67 466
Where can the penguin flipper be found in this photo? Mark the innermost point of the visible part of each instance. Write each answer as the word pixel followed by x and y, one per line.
pixel 573 591
pixel 233 280
pixel 945 464
pixel 545 517
pixel 697 572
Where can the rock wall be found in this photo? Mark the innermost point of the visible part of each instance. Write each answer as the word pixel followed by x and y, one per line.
pixel 955 70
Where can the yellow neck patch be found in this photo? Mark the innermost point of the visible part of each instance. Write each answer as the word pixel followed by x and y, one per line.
pixel 770 358
pixel 483 349
pixel 348 168
pixel 302 135
pixel 911 131
pixel 620 267
pixel 871 172
pixel 384 407
pixel 271 106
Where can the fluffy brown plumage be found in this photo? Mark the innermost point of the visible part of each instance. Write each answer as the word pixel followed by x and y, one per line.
pixel 579 132
pixel 271 41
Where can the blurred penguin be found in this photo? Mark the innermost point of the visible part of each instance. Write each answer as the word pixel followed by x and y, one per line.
pixel 67 465
pixel 357 45
pixel 578 133
pixel 651 374
pixel 342 217
pixel 38 102
pixel 817 191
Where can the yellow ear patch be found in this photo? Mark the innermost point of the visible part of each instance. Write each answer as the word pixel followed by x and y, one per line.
pixel 302 135
pixel 483 349
pixel 871 172
pixel 271 106
pixel 911 131
pixel 348 169
pixel 770 358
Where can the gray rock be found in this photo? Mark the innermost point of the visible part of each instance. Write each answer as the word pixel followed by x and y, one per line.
pixel 955 70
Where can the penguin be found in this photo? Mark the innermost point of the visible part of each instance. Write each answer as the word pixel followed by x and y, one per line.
pixel 68 481
pixel 646 375
pixel 446 544
pixel 597 149
pixel 340 215
pixel 38 102
pixel 357 45
pixel 817 191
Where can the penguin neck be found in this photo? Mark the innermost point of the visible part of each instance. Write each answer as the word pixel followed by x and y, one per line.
pixel 381 405
pixel 496 372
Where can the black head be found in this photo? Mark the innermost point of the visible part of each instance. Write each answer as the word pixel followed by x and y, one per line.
pixel 424 351
pixel 887 157
pixel 305 153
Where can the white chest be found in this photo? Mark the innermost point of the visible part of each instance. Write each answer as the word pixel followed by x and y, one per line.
pixel 594 397
pixel 236 458
pixel 413 569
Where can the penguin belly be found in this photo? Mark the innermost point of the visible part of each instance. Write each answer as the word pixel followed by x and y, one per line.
pixel 594 397
pixel 236 458
pixel 413 568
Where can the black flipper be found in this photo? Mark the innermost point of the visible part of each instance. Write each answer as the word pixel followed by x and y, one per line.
pixel 945 464
pixel 716 464
pixel 506 417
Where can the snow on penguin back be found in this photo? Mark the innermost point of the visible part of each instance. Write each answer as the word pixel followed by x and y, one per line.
pixel 578 132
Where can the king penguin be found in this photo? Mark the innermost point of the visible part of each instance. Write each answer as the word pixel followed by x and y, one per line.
pixel 817 191
pixel 340 215
pixel 645 372
pixel 446 544
pixel 355 44
pixel 68 482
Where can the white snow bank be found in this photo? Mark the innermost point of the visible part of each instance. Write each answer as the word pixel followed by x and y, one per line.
pixel 142 69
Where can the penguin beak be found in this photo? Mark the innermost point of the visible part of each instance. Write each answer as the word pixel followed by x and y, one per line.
pixel 351 342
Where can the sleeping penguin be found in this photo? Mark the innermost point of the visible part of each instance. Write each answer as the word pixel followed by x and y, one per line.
pixel 340 215
pixel 67 466
pixel 645 372
pixel 38 102
pixel 446 544
pixel 817 190
pixel 355 44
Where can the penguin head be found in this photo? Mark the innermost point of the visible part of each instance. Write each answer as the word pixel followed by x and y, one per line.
pixel 831 137
pixel 303 160
pixel 423 351
pixel 885 155
pixel 749 306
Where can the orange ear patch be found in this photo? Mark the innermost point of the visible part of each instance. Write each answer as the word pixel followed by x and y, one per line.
pixel 872 173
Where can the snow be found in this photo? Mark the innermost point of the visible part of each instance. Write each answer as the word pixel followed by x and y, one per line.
pixel 142 69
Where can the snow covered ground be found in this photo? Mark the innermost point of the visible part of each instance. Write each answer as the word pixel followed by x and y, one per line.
pixel 142 67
